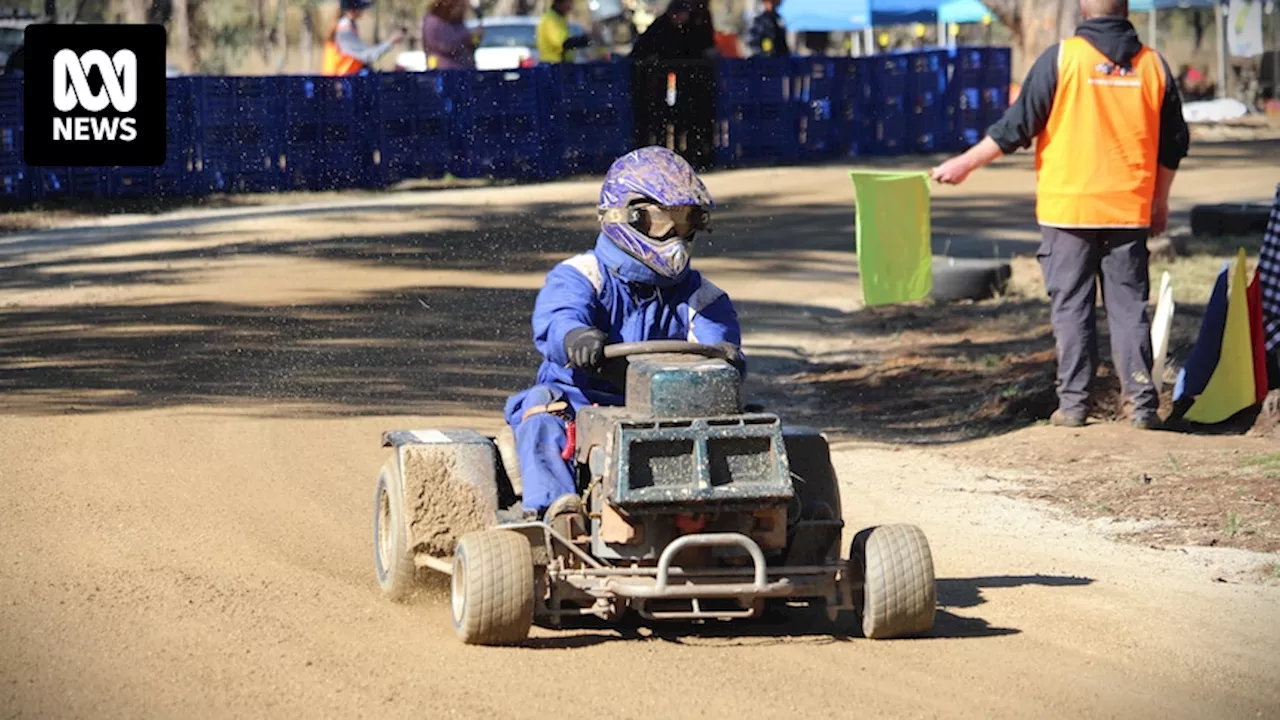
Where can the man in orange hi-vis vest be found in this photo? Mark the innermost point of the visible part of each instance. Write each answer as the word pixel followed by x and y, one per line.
pixel 1106 117
pixel 344 52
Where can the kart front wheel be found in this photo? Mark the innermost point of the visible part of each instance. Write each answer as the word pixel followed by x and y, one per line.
pixel 492 588
pixel 899 592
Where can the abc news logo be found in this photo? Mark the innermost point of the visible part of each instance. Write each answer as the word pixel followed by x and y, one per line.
pixel 94 95
pixel 71 92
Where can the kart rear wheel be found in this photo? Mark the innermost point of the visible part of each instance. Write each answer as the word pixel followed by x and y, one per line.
pixel 492 588
pixel 899 592
pixel 392 559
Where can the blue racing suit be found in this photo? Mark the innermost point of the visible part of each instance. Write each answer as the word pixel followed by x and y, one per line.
pixel 607 289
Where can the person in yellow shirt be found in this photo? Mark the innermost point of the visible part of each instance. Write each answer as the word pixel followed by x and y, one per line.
pixel 555 41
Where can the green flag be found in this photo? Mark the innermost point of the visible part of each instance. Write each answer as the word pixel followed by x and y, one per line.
pixel 895 258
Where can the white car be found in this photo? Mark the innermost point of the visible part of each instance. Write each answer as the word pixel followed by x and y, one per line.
pixel 509 43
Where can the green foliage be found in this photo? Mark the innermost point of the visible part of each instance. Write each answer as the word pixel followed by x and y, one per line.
pixel 1234 524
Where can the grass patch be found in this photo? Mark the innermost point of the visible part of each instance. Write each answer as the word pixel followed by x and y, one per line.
pixel 1263 462
pixel 1234 525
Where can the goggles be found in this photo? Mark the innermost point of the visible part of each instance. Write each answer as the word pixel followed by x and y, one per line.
pixel 658 222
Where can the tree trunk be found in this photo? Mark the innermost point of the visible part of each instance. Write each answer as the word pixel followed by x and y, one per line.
pixel 260 29
pixel 308 40
pixel 1035 26
pixel 280 37
pixel 181 36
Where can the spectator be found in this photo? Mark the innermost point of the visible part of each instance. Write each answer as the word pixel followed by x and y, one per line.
pixel 344 52
pixel 680 38
pixel 683 32
pixel 555 41
pixel 1106 117
pixel 1194 84
pixel 702 29
pixel 448 43
pixel 768 34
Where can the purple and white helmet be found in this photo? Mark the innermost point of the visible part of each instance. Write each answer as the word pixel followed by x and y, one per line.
pixel 653 176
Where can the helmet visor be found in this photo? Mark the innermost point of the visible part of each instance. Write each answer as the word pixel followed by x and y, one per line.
pixel 662 223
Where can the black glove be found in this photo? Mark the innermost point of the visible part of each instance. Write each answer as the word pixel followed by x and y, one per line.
pixel 733 354
pixel 585 348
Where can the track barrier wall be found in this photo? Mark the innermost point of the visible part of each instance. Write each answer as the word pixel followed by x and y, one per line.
pixel 276 133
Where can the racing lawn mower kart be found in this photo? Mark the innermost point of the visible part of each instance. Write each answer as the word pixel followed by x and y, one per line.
pixel 692 508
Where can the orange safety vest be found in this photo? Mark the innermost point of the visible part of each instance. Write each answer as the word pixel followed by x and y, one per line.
pixel 335 63
pixel 1096 159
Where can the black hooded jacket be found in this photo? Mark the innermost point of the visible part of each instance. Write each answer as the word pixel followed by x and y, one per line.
pixel 1115 38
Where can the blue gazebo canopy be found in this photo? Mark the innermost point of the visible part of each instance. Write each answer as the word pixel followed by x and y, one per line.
pixel 850 15
pixel 826 15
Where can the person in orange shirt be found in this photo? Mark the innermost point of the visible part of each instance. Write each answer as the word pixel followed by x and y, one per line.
pixel 1106 117
pixel 344 52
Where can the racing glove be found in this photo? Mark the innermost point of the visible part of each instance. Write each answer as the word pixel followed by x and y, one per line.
pixel 585 348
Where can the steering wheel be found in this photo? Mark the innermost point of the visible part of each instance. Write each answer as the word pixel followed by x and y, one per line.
pixel 619 351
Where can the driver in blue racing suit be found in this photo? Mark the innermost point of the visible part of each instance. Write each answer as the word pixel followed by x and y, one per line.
pixel 635 285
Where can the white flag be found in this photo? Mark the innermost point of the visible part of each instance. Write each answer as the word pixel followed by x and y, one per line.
pixel 1244 28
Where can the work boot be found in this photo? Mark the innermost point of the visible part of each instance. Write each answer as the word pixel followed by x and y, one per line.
pixel 1062 418
pixel 1147 422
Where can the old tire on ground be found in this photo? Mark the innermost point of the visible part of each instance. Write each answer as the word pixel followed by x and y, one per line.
pixel 1229 219
pixel 968 278
pixel 492 588
pixel 392 559
pixel 899 595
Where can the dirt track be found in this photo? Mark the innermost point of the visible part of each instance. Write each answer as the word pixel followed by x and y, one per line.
pixel 189 440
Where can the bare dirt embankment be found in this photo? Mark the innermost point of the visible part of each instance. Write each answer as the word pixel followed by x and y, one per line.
pixel 189 420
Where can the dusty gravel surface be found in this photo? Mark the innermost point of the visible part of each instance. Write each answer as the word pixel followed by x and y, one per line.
pixel 190 408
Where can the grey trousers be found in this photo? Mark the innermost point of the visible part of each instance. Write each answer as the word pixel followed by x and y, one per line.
pixel 1072 261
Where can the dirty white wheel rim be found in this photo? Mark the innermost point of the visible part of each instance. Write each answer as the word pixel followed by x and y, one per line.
pixel 456 583
pixel 385 539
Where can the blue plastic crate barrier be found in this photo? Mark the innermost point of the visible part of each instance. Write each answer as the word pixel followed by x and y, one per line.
pixel 931 142
pixel 818 138
pixel 928 72
pixel 10 99
pixel 228 100
pixel 819 97
pixel 856 90
pixel 130 182
pixel 890 138
pixel 761 132
pixel 502 161
pixel 497 93
pixel 889 76
pixel 409 131
pixel 765 80
pixel 58 182
pixel 980 66
pixel 14 187
pixel 320 99
pixel 995 99
pixel 436 93
pixel 588 85
pixel 11 144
